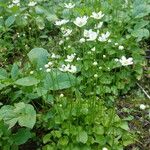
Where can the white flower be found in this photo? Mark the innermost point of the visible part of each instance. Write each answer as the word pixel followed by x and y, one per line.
pixel 31 72
pixel 125 62
pixel 61 22
pixel 55 56
pixel 61 42
pixel 116 59
pixel 95 63
pixel 40 69
pixel 104 56
pixel 73 69
pixel 91 35
pixel 69 46
pixel 46 66
pixel 67 38
pixel 31 4
pixel 79 59
pixel 16 1
pixel 100 68
pixel 95 75
pixel 68 68
pixel 120 47
pixel 82 40
pixel 109 41
pixel 81 21
pixel 61 95
pixel 116 44
pixel 48 70
pixel 67 32
pixel 69 5
pixel 50 63
pixel 99 25
pixel 142 106
pixel 104 37
pixel 93 49
pixel 10 6
pixel 104 148
pixel 98 15
pixel 70 58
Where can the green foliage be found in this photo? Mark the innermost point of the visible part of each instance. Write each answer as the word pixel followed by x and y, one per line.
pixel 69 81
pixel 82 124
pixel 22 113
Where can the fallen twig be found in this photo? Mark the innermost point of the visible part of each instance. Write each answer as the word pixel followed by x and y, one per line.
pixel 148 96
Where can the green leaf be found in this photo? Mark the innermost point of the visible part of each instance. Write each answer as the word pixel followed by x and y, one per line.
pixel 27 118
pixel 38 56
pixel 140 33
pixel 63 141
pixel 14 71
pixel 22 113
pixel 124 125
pixel 3 74
pixel 141 10
pixel 27 81
pixel 99 130
pixel 46 138
pixel 9 21
pixel 82 137
pixel 59 80
pixel 22 136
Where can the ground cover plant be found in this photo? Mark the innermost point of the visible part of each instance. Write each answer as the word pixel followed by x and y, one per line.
pixel 68 69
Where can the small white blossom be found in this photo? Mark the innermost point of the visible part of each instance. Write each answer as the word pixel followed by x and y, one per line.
pixel 73 69
pixel 68 68
pixel 70 58
pixel 31 72
pixel 95 63
pixel 98 15
pixel 10 6
pixel 69 46
pixel 16 1
pixel 82 40
pixel 50 63
pixel 120 47
pixel 93 49
pixel 61 22
pixel 90 35
pixel 48 70
pixel 69 5
pixel 61 95
pixel 100 68
pixel 81 21
pixel 109 41
pixel 104 148
pixel 55 56
pixel 67 32
pixel 79 59
pixel 116 44
pixel 67 38
pixel 100 24
pixel 61 42
pixel 46 66
pixel 31 4
pixel 104 56
pixel 95 75
pixel 104 37
pixel 125 62
pixel 142 106
pixel 116 59
pixel 89 52
pixel 40 68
